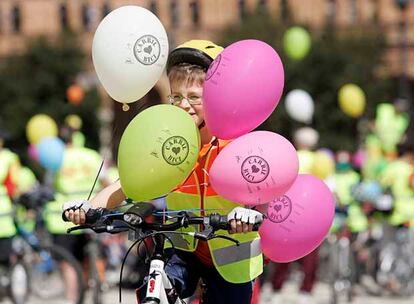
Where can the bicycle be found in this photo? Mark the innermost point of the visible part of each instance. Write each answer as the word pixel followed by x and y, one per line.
pixel 14 278
pixel 93 254
pixel 139 219
pixel 44 260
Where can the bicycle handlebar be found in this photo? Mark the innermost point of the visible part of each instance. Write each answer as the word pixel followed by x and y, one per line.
pixel 141 216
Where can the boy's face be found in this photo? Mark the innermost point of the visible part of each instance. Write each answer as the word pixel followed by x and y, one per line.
pixel 191 96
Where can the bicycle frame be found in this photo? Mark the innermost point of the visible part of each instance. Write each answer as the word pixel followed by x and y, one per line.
pixel 158 280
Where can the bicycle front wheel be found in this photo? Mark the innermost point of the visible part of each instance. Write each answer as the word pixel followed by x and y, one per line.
pixel 55 274
pixel 18 288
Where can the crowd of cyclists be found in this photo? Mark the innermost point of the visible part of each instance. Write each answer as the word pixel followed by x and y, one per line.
pixel 368 250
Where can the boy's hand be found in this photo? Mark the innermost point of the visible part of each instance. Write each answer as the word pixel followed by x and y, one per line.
pixel 242 219
pixel 75 211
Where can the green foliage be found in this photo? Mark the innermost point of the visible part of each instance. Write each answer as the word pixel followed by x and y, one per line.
pixel 36 82
pixel 336 58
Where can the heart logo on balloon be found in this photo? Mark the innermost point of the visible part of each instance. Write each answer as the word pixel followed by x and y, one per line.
pixel 176 150
pixel 255 169
pixel 283 207
pixel 148 49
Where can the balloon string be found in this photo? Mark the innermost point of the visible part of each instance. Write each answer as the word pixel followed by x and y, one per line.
pixel 205 171
pixel 102 163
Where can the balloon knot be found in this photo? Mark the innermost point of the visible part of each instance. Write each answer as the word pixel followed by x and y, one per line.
pixel 125 107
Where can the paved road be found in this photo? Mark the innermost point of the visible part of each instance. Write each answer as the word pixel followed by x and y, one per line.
pixel 321 295
pixel 289 295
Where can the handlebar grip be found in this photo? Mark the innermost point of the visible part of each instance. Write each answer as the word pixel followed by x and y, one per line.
pixel 64 218
pixel 91 216
pixel 221 222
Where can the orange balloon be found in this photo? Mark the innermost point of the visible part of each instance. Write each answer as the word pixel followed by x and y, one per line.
pixel 75 94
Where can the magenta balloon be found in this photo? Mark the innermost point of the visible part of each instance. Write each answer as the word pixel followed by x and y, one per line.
pixel 33 153
pixel 243 86
pixel 358 159
pixel 298 221
pixel 255 168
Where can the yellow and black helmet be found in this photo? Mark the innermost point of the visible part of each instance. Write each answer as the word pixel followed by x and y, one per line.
pixel 197 52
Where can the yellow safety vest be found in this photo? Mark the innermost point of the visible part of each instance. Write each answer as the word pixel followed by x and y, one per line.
pixel 236 264
pixel 343 185
pixel 397 176
pixel 9 162
pixel 73 182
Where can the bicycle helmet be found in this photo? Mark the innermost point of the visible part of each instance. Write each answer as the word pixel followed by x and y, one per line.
pixel 197 52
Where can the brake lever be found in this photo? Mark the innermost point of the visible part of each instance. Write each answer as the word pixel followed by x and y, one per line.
pixel 215 236
pixel 208 234
pixel 80 227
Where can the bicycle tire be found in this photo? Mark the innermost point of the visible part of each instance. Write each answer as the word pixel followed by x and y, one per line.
pixel 97 296
pixel 95 283
pixel 19 285
pixel 46 271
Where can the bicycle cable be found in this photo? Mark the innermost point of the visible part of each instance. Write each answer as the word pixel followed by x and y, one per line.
pixel 142 239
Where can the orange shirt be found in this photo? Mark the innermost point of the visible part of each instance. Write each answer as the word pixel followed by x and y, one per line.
pixel 202 251
pixel 204 189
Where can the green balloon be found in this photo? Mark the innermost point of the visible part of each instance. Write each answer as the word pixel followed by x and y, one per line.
pixel 296 42
pixel 157 152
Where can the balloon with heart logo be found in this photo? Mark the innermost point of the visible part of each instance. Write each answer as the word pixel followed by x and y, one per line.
pixel 158 150
pixel 129 52
pixel 255 168
pixel 298 221
pixel 243 86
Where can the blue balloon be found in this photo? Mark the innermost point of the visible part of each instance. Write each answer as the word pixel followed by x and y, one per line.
pixel 368 191
pixel 51 152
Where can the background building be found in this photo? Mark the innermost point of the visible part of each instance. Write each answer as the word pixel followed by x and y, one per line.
pixel 22 20
pixel 185 19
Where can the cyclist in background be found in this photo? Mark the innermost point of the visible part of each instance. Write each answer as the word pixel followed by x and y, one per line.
pixel 73 181
pixel 9 171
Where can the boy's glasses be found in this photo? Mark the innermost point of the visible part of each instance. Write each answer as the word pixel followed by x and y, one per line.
pixel 176 100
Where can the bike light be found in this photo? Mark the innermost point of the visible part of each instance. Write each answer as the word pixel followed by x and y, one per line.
pixel 133 219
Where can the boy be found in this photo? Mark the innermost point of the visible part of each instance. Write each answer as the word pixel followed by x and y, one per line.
pixel 226 269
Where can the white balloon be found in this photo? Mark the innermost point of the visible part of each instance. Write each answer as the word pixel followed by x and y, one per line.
pixel 306 138
pixel 299 105
pixel 129 52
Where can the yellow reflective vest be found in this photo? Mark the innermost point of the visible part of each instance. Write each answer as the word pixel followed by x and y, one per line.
pixel 9 165
pixel 397 176
pixel 73 182
pixel 236 264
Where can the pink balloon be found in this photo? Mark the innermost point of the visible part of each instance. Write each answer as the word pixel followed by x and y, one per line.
pixel 298 221
pixel 243 86
pixel 33 153
pixel 358 159
pixel 255 168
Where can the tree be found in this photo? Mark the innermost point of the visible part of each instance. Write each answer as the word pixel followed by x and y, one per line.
pixel 36 82
pixel 336 58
